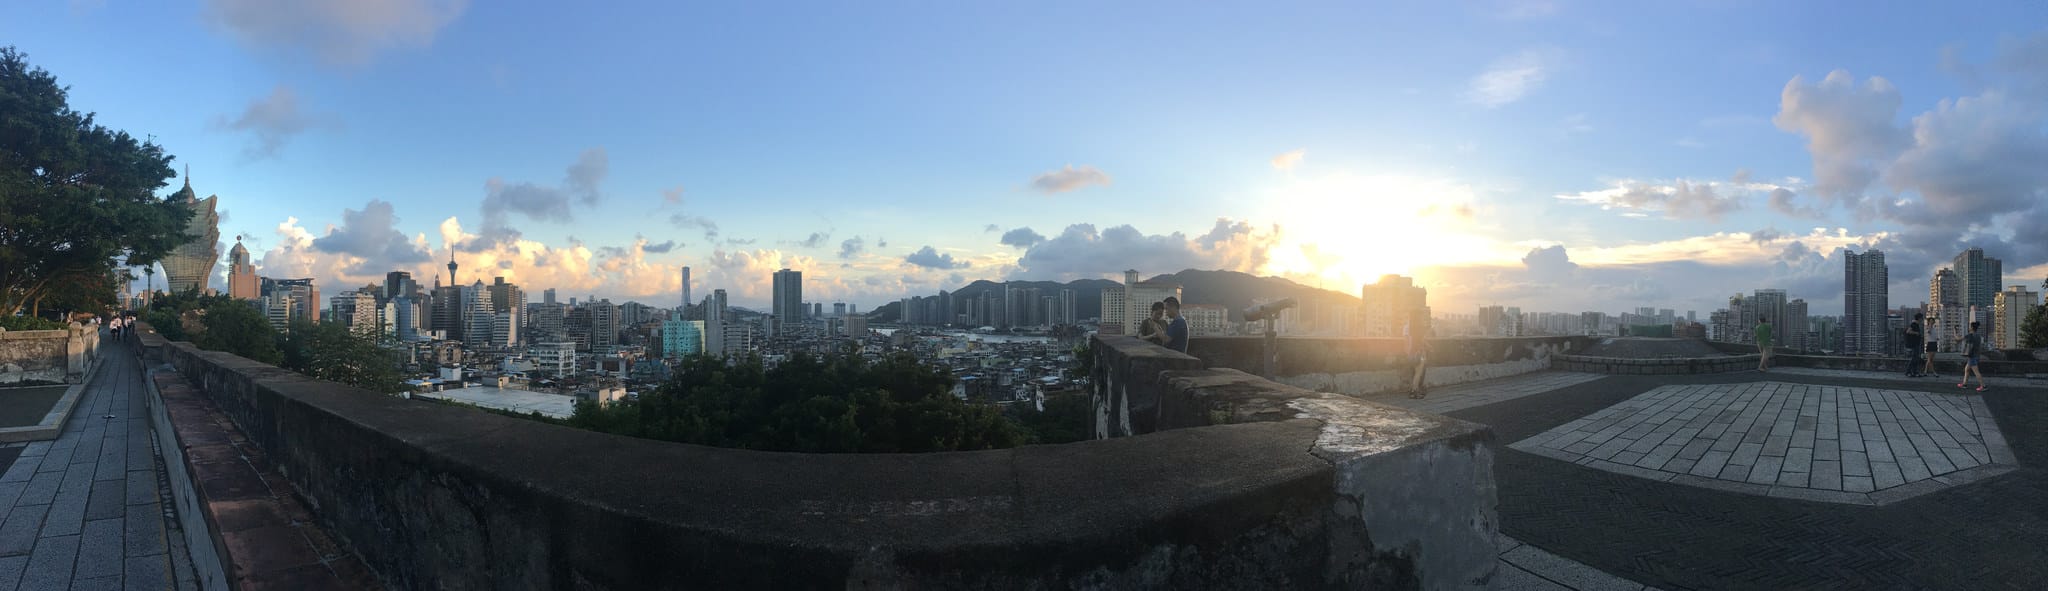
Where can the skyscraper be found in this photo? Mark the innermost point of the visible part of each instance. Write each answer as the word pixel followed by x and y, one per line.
pixel 604 327
pixel 547 296
pixel 1390 303
pixel 399 284
pixel 188 266
pixel 1865 303
pixel 686 286
pixel 242 282
pixel 1948 317
pixel 2011 311
pixel 787 303
pixel 509 301
pixel 1981 277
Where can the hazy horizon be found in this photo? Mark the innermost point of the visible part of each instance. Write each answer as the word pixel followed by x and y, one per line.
pixel 1556 156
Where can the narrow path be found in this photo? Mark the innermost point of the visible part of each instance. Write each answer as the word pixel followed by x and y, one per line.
pixel 88 510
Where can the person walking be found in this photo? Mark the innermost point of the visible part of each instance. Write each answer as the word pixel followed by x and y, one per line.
pixel 1177 327
pixel 1153 329
pixel 1973 347
pixel 1915 335
pixel 1415 333
pixel 1763 344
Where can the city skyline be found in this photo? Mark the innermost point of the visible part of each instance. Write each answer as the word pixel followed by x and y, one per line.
pixel 1553 154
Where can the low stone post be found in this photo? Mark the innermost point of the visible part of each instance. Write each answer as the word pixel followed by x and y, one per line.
pixel 76 355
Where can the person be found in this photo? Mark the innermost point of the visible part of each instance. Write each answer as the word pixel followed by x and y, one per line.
pixel 1914 337
pixel 1973 347
pixel 1154 329
pixel 1929 348
pixel 1763 344
pixel 1177 328
pixel 1414 332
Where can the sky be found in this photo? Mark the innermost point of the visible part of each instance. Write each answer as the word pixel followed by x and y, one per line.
pixel 1553 155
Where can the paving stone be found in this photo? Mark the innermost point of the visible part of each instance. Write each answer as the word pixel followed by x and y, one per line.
pixel 146 572
pixel 10 570
pixel 106 500
pixel 142 533
pixel 18 534
pixel 1856 483
pixel 1766 470
pixel 99 549
pixel 67 514
pixel 1799 460
pixel 1826 475
pixel 42 489
pixel 49 566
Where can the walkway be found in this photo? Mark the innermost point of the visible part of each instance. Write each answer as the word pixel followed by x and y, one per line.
pixel 1985 534
pixel 89 510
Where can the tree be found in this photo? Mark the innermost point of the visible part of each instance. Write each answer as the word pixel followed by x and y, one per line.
pixel 2034 330
pixel 836 403
pixel 74 195
pixel 332 352
pixel 237 327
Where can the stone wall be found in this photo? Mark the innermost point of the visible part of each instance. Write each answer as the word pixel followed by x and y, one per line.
pixel 1372 365
pixel 1997 363
pixel 50 356
pixel 1660 366
pixel 1412 498
pixel 1340 493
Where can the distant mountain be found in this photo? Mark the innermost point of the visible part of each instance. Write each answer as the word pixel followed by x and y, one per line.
pixel 1230 289
pixel 1236 290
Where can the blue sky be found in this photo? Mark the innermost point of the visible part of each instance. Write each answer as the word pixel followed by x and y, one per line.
pixel 1463 143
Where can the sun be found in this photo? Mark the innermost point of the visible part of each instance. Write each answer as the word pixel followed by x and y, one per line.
pixel 1344 231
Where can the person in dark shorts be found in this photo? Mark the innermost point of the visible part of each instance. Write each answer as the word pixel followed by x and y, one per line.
pixel 1915 336
pixel 1416 333
pixel 1763 344
pixel 1973 347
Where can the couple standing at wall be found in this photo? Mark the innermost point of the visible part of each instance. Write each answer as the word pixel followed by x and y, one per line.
pixel 1166 327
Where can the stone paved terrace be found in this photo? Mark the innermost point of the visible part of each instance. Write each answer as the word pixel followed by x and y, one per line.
pixel 1566 525
pixel 88 510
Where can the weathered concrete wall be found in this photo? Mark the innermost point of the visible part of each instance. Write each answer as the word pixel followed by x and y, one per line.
pixel 54 356
pixel 1662 366
pixel 1128 386
pixel 1339 494
pixel 1372 365
pixel 1414 492
pixel 1996 363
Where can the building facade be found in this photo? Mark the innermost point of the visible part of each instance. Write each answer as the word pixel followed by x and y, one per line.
pixel 786 301
pixel 242 281
pixel 1866 302
pixel 187 267
pixel 1390 303
pixel 2009 314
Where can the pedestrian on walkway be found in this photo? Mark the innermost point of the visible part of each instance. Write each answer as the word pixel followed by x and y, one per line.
pixel 1763 344
pixel 1415 333
pixel 1914 336
pixel 1973 347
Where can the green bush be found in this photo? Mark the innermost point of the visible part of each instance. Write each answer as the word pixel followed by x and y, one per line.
pixel 30 323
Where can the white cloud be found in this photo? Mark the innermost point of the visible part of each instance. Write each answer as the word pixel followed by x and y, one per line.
pixel 340 32
pixel 273 120
pixel 1290 159
pixel 1679 199
pixel 1513 77
pixel 1068 179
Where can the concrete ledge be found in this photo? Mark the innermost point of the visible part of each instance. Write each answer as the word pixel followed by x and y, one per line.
pixel 1359 366
pixel 53 422
pixel 1662 366
pixel 441 497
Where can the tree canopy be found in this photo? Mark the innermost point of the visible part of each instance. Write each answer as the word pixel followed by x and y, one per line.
pixel 835 403
pixel 74 195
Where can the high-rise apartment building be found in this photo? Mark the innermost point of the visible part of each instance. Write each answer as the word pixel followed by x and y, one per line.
pixel 303 297
pixel 716 316
pixel 686 287
pixel 787 302
pixel 242 281
pixel 1981 277
pixel 507 300
pixel 1125 306
pixel 682 338
pixel 547 296
pixel 188 267
pixel 1947 315
pixel 479 316
pixel 604 327
pixel 1865 303
pixel 1391 303
pixel 1794 326
pixel 2010 314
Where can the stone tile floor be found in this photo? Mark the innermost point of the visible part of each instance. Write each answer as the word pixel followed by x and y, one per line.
pixel 1823 443
pixel 88 510
pixel 1983 535
pixel 1445 399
